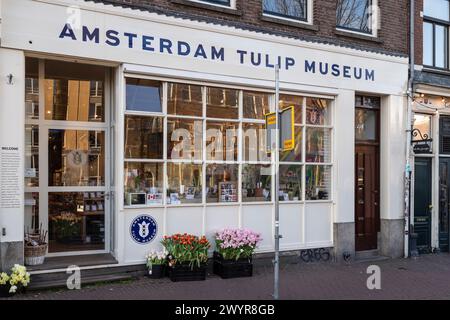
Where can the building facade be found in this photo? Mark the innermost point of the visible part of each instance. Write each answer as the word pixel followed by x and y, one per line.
pixel 430 207
pixel 122 115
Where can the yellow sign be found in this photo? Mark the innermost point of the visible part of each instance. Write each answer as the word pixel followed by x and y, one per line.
pixel 287 130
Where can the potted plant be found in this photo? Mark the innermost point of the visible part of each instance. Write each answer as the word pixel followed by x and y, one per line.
pixel 156 264
pixel 15 282
pixel 66 225
pixel 234 250
pixel 187 258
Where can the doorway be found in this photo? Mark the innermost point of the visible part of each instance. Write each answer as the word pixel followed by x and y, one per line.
pixel 422 203
pixel 67 182
pixel 367 173
pixel 444 205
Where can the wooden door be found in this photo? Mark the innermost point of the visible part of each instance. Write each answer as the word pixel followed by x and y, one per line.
pixel 367 212
pixel 422 203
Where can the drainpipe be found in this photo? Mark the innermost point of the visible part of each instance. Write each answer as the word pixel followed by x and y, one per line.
pixel 407 212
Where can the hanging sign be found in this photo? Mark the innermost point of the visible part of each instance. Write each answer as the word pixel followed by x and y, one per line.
pixel 287 137
pixel 143 229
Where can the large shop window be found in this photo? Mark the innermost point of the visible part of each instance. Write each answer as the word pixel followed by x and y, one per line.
pixel 435 33
pixel 207 145
pixel 354 15
pixel 292 9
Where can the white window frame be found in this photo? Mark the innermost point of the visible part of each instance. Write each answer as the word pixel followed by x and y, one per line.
pixel 309 15
pixel 231 6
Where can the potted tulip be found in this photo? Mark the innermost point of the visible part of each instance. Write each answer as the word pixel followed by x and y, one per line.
pixel 187 258
pixel 234 251
pixel 14 282
pixel 156 264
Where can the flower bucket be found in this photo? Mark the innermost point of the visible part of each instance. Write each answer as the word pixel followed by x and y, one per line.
pixel 4 291
pixel 185 272
pixel 228 269
pixel 35 255
pixel 157 271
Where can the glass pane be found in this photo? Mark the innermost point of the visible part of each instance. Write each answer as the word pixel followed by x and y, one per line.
pixel 74 91
pixel 318 145
pixel 185 139
pixel 256 182
pixel 256 105
pixel 438 9
pixel 31 156
pixel 287 8
pixel 76 221
pixel 32 88
pixel 32 223
pixel 222 183
pixel 296 154
pixel 222 2
pixel 428 44
pixel 290 183
pixel 318 182
pixel 76 158
pixel 254 142
pixel 366 124
pixel 422 123
pixel 222 103
pixel 440 50
pixel 287 101
pixel 143 95
pixel 143 183
pixel 221 141
pixel 185 183
pixel 143 137
pixel 318 112
pixel 354 14
pixel 184 99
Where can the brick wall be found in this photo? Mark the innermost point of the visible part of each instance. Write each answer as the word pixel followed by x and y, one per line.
pixel 418 31
pixel 393 36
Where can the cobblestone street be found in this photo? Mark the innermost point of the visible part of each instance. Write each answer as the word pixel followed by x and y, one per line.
pixel 427 277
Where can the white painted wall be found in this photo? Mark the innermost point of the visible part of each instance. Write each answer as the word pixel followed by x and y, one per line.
pixel 392 156
pixel 12 132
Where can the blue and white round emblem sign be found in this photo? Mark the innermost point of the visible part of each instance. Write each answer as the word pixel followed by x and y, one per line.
pixel 143 229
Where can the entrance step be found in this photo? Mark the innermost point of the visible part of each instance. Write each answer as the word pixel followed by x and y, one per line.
pixel 369 255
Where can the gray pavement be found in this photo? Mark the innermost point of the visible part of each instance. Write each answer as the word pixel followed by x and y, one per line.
pixel 427 277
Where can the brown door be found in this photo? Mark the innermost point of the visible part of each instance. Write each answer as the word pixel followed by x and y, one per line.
pixel 366 197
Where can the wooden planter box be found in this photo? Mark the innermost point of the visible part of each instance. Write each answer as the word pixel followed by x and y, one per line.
pixel 183 272
pixel 227 269
pixel 157 272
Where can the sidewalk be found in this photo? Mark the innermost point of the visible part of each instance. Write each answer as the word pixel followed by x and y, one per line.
pixel 427 277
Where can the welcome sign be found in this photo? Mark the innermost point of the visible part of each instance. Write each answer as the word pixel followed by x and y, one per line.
pixel 147 39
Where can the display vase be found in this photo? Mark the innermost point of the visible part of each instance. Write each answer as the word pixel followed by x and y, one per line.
pixel 156 271
pixel 186 272
pixel 4 291
pixel 228 269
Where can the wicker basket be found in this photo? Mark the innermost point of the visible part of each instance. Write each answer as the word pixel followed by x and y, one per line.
pixel 35 255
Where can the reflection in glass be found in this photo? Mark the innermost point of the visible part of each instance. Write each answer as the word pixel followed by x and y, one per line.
pixel 222 103
pixel 318 182
pixel 222 183
pixel 76 221
pixel 440 49
pixel 428 44
pixel 76 158
pixel 294 155
pixel 143 137
pixel 318 145
pixel 185 183
pixel 365 124
pixel 317 112
pixel 422 122
pixel 354 15
pixel 221 141
pixel 438 9
pixel 290 183
pixel 31 88
pixel 254 142
pixel 287 101
pixel 296 9
pixel 184 99
pixel 256 182
pixel 143 95
pixel 143 183
pixel 184 139
pixel 31 208
pixel 31 156
pixel 256 105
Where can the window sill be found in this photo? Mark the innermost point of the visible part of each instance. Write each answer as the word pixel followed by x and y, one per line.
pixel 208 6
pixel 354 35
pixel 286 22
pixel 436 71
